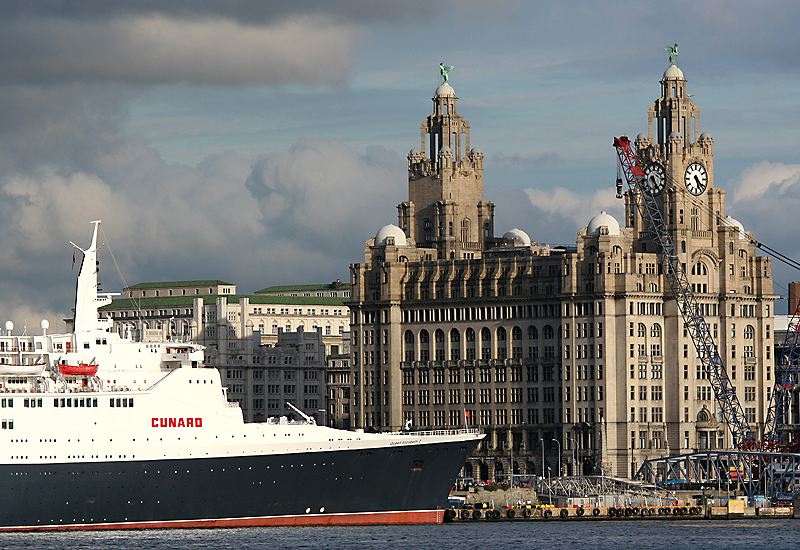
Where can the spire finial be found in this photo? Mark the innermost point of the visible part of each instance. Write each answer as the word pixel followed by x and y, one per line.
pixel 445 70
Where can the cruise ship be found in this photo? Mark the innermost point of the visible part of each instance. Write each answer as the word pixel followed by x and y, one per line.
pixel 98 431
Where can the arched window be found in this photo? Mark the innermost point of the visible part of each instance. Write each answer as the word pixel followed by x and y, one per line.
pixel 749 332
pixel 655 330
pixel 409 337
pixel 516 333
pixel 424 337
pixel 501 334
pixel 455 336
pixel 470 335
pixel 533 334
pixel 616 250
pixel 641 330
pixel 486 335
pixel 702 416
pixel 439 335
pixel 547 332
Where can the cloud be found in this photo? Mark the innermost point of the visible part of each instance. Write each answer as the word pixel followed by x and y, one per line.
pixel 319 192
pixel 300 215
pixel 765 178
pixel 765 197
pixel 153 47
pixel 562 202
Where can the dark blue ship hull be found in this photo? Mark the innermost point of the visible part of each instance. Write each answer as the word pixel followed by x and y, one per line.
pixel 404 484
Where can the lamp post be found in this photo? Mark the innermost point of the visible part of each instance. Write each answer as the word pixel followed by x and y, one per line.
pixel 511 451
pixel 559 455
pixel 574 456
pixel 542 441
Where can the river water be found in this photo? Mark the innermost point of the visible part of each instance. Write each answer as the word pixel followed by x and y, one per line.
pixel 614 535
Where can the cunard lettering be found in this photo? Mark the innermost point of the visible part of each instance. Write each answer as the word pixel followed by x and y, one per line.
pixel 176 422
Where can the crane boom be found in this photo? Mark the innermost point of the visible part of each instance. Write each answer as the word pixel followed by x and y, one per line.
pixel 694 322
pixel 786 372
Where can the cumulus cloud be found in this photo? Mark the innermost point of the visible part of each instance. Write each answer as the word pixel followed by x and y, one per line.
pixel 765 197
pixel 764 179
pixel 300 215
pixel 562 202
pixel 318 192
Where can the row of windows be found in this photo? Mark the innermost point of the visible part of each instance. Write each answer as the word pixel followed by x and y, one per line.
pixel 656 414
pixel 656 393
pixel 473 417
pixel 68 402
pixel 487 374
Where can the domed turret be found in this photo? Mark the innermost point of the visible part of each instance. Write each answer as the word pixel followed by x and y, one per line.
pixel 390 231
pixel 730 222
pixel 602 220
pixel 517 237
pixel 705 136
pixel 445 90
pixel 673 72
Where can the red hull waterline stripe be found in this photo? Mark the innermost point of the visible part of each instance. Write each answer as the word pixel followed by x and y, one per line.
pixel 364 518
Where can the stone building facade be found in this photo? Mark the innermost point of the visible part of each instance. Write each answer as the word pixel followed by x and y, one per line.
pixel 232 327
pixel 563 356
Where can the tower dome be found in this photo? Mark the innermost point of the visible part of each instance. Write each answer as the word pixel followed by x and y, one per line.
pixel 517 237
pixel 705 136
pixel 390 231
pixel 673 72
pixel 602 220
pixel 730 222
pixel 445 90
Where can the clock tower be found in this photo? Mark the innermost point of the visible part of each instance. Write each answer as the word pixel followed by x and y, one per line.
pixel 678 163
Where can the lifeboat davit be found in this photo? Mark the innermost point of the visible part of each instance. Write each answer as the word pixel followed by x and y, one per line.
pixel 81 369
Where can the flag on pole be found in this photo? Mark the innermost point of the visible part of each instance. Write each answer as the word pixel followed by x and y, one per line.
pixel 466 417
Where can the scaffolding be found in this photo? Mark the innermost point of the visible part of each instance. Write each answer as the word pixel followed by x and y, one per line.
pixel 753 473
pixel 605 491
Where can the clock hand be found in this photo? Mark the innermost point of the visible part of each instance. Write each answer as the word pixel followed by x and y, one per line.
pixel 697 179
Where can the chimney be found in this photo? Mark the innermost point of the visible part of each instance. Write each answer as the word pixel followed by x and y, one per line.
pixel 794 297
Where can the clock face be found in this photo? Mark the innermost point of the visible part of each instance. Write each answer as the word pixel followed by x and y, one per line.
pixel 696 178
pixel 655 178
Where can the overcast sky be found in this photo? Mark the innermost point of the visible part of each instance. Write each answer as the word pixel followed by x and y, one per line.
pixel 263 143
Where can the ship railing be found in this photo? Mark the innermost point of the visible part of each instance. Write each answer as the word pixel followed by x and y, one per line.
pixel 443 432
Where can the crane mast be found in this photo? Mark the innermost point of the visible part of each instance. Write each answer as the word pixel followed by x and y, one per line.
pixel 674 272
pixel 786 373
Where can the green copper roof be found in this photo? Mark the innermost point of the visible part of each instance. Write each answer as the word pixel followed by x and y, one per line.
pixel 178 284
pixel 128 303
pixel 304 288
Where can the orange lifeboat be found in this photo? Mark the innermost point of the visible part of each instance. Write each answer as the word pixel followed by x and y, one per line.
pixel 81 369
